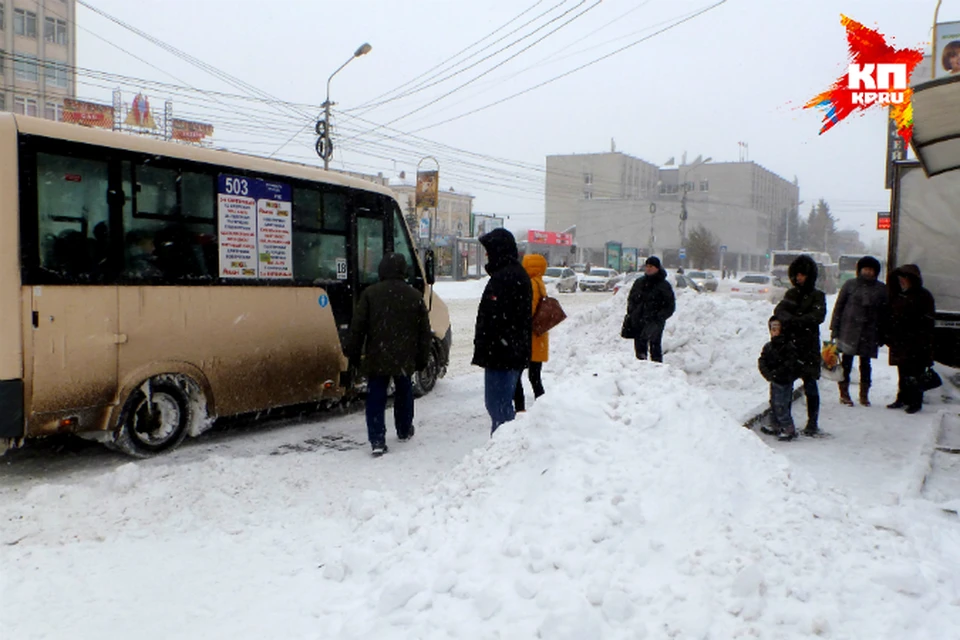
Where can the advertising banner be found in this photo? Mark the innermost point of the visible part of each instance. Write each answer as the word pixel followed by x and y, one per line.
pixel 613 255
pixel 946 51
pixel 428 189
pixel 139 114
pixel 189 131
pixel 550 237
pixel 628 258
pixel 256 228
pixel 88 114
pixel 237 216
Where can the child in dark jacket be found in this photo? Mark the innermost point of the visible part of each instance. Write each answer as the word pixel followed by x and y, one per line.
pixel 778 365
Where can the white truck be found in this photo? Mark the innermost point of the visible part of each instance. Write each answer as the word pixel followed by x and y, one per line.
pixel 925 230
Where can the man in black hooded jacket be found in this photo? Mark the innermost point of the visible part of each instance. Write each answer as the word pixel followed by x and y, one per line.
pixel 650 303
pixel 501 343
pixel 391 328
pixel 801 312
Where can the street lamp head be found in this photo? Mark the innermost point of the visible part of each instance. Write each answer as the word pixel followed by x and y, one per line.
pixel 363 50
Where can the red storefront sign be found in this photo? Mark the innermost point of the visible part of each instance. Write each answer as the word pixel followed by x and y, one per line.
pixel 549 237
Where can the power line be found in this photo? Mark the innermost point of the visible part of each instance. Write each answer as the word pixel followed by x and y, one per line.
pixel 575 70
pixel 503 62
pixel 369 104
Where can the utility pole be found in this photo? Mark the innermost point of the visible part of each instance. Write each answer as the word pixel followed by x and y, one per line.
pixel 324 143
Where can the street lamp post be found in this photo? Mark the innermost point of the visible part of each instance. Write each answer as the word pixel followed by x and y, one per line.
pixel 324 144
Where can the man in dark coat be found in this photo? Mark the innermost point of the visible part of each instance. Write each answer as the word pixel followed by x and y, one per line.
pixel 910 335
pixel 858 314
pixel 502 341
pixel 391 328
pixel 650 303
pixel 802 311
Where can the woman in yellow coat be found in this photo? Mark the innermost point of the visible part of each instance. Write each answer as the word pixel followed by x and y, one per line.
pixel 536 266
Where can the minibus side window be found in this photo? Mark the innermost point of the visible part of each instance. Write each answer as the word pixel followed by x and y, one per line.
pixel 73 217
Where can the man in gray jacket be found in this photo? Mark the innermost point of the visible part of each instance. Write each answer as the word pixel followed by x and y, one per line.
pixel 858 317
pixel 391 329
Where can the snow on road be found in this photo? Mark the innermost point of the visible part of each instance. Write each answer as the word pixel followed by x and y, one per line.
pixel 627 503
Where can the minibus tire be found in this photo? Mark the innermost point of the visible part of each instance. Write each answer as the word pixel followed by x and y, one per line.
pixel 168 397
pixel 424 381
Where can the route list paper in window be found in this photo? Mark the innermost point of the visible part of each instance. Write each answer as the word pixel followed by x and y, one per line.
pixel 256 229
pixel 275 231
pixel 237 213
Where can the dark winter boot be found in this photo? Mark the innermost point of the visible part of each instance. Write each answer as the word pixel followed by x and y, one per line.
pixel 865 394
pixel 813 413
pixel 845 393
pixel 896 404
pixel 787 434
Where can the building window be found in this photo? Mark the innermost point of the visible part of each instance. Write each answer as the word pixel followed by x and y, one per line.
pixel 57 75
pixel 25 68
pixel 587 195
pixel 704 185
pixel 53 111
pixel 25 106
pixel 3 16
pixel 587 178
pixel 25 23
pixel 55 30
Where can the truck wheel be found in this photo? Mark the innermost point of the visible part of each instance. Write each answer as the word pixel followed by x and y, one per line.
pixel 154 419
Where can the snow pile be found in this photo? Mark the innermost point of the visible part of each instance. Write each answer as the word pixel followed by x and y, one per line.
pixel 460 290
pixel 631 506
pixel 715 339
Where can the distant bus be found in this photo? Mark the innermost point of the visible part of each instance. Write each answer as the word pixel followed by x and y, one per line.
pixel 848 267
pixel 828 276
pixel 147 287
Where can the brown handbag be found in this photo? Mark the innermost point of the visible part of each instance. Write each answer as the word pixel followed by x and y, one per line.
pixel 549 314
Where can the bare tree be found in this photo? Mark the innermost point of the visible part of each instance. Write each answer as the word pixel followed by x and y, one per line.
pixel 703 247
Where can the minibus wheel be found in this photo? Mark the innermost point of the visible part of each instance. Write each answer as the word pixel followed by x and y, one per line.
pixel 154 419
pixel 424 381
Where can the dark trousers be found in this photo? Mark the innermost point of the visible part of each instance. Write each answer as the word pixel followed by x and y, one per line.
pixel 865 370
pixel 534 372
pixel 781 397
pixel 812 390
pixel 909 392
pixel 498 388
pixel 640 346
pixel 377 406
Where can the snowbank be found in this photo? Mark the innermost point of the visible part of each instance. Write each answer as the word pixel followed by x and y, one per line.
pixel 715 339
pixel 632 506
pixel 460 290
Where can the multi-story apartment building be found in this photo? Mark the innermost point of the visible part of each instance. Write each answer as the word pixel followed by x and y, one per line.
pixel 38 54
pixel 453 213
pixel 742 203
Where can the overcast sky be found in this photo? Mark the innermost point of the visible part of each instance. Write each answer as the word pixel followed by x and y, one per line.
pixel 737 73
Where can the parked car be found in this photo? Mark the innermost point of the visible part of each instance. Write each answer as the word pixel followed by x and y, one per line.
pixel 758 286
pixel 564 278
pixel 707 280
pixel 599 279
pixel 626 281
pixel 684 281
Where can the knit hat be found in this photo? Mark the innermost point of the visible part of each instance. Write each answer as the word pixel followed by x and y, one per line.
pixel 870 263
pixel 655 261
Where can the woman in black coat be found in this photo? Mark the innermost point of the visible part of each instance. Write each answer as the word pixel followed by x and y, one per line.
pixel 858 314
pixel 910 334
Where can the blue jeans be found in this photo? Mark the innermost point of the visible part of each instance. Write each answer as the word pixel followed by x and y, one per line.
pixel 781 397
pixel 377 407
pixel 498 388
